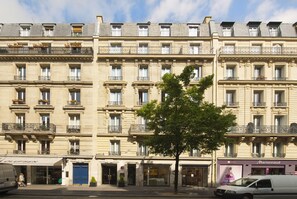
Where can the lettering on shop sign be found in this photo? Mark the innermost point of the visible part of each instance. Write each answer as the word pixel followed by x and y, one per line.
pixel 268 162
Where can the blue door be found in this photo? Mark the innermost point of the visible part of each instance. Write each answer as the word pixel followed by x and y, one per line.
pixel 80 174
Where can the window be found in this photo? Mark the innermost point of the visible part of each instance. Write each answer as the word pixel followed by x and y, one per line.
pixel 114 124
pixel 278 150
pixel 21 96
pixel 280 124
pixel 279 72
pixel 197 73
pixel 116 72
pixel 142 149
pixel 279 99
pixel 77 30
pixel 115 97
pixel 21 72
pixel 165 69
pixel 254 31
pixel 165 48
pixel 74 147
pixel 44 147
pixel 227 31
pixel 143 74
pixel 165 31
pixel 274 31
pixel 256 49
pixel 45 73
pixel 258 98
pixel 48 31
pixel 143 31
pixel 163 96
pixel 229 49
pixel 258 123
pixel 143 48
pixel 73 123
pixel 25 30
pixel 256 149
pixel 116 30
pixel 74 97
pixel 259 72
pixel 194 48
pixel 193 31
pixel 74 71
pixel 20 121
pixel 21 147
pixel 195 153
pixel 142 97
pixel 230 72
pixel 230 150
pixel 230 98
pixel 115 147
pixel 44 97
pixel 115 48
pixel 44 122
pixel 264 184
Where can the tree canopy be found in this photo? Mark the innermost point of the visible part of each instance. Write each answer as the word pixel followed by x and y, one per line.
pixel 184 120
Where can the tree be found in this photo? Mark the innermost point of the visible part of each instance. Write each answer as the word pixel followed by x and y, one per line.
pixel 184 120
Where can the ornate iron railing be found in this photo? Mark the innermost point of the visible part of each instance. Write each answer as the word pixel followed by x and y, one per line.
pixel 139 128
pixel 114 128
pixel 73 128
pixel 29 127
pixel 45 51
pixel 282 129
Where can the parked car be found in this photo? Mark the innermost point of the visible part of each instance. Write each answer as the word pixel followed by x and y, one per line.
pixel 8 177
pixel 267 186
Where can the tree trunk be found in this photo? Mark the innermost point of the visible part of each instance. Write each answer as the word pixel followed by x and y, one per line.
pixel 176 174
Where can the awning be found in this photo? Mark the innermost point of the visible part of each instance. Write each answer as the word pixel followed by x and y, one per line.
pixel 31 161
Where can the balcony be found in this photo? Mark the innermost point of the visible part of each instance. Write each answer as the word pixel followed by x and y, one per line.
pixel 73 128
pixel 231 104
pixel 114 153
pixel 278 155
pixel 143 78
pixel 73 152
pixel 258 155
pixel 18 101
pixel 259 78
pixel 115 103
pixel 259 104
pixel 263 129
pixel 142 153
pixel 18 77
pixel 44 152
pixel 230 155
pixel 280 104
pixel 231 78
pixel 114 129
pixel 44 78
pixel 139 129
pixel 19 152
pixel 280 78
pixel 30 128
pixel 115 78
pixel 74 105
pixel 74 78
pixel 45 53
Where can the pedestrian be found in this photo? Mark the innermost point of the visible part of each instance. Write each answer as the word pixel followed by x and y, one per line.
pixel 22 180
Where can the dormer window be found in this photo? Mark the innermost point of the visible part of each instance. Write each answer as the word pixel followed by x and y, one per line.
pixel 77 29
pixel 116 30
pixel 25 30
pixel 48 30
pixel 227 29
pixel 193 30
pixel 165 30
pixel 274 30
pixel 254 30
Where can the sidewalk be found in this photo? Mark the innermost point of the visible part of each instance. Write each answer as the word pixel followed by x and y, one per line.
pixel 108 190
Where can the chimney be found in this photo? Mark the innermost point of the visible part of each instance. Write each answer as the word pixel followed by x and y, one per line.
pixel 99 22
pixel 207 19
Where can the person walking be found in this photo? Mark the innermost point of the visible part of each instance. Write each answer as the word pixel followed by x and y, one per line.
pixel 22 180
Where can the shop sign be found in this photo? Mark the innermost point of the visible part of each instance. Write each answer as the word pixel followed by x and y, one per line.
pixel 268 162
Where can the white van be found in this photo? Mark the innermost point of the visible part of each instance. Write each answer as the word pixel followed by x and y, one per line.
pixel 8 177
pixel 265 186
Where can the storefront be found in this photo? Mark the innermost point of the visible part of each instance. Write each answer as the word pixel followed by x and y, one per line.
pixel 195 175
pixel 230 170
pixel 156 175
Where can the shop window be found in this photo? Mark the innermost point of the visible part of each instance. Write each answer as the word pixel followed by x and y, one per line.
pixel 156 175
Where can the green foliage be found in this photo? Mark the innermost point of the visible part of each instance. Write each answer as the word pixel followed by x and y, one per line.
pixel 93 180
pixel 184 120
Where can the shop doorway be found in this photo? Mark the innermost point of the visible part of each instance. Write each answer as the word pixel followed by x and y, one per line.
pixel 131 174
pixel 109 174
pixel 45 175
pixel 80 174
pixel 194 176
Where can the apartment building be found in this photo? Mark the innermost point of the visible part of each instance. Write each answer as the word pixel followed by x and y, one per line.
pixel 71 91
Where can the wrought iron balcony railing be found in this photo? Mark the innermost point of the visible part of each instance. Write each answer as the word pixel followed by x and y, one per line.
pixel 19 77
pixel 44 152
pixel 115 103
pixel 280 78
pixel 143 78
pixel 43 102
pixel 28 127
pixel 74 78
pixel 134 50
pixel 259 78
pixel 44 78
pixel 73 152
pixel 114 153
pixel 73 102
pixel 259 50
pixel 117 78
pixel 19 152
pixel 263 129
pixel 278 155
pixel 45 50
pixel 114 128
pixel 280 104
pixel 258 155
pixel 231 104
pixel 139 128
pixel 73 128
pixel 142 153
pixel 259 104
pixel 230 155
pixel 231 78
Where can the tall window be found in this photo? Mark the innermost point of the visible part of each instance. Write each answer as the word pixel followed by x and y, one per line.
pixel 74 123
pixel 115 147
pixel 143 74
pixel 44 97
pixel 114 123
pixel 142 149
pixel 193 31
pixel 74 73
pixel 258 123
pixel 74 147
pixel 116 72
pixel 165 69
pixel 115 97
pixel 143 31
pixel 116 30
pixel 165 31
pixel 115 48
pixel 143 48
pixel 256 150
pixel 20 121
pixel 44 121
pixel 230 98
pixel 21 95
pixel 194 48
pixel 230 72
pixel 74 97
pixel 279 98
pixel 279 124
pixel 279 73
pixel 45 73
pixel 44 147
pixel 197 73
pixel 259 72
pixel 258 98
pixel 21 147
pixel 163 96
pixel 230 150
pixel 25 30
pixel 142 97
pixel 21 72
pixel 278 149
pixel 165 48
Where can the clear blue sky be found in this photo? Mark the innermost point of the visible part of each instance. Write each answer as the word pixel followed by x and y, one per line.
pixel 69 11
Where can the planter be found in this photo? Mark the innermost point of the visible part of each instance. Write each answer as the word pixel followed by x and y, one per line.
pixel 93 184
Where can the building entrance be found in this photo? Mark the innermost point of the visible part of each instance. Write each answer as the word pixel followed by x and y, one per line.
pixel 109 174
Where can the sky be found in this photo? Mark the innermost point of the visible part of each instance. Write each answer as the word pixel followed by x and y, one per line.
pixel 175 11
